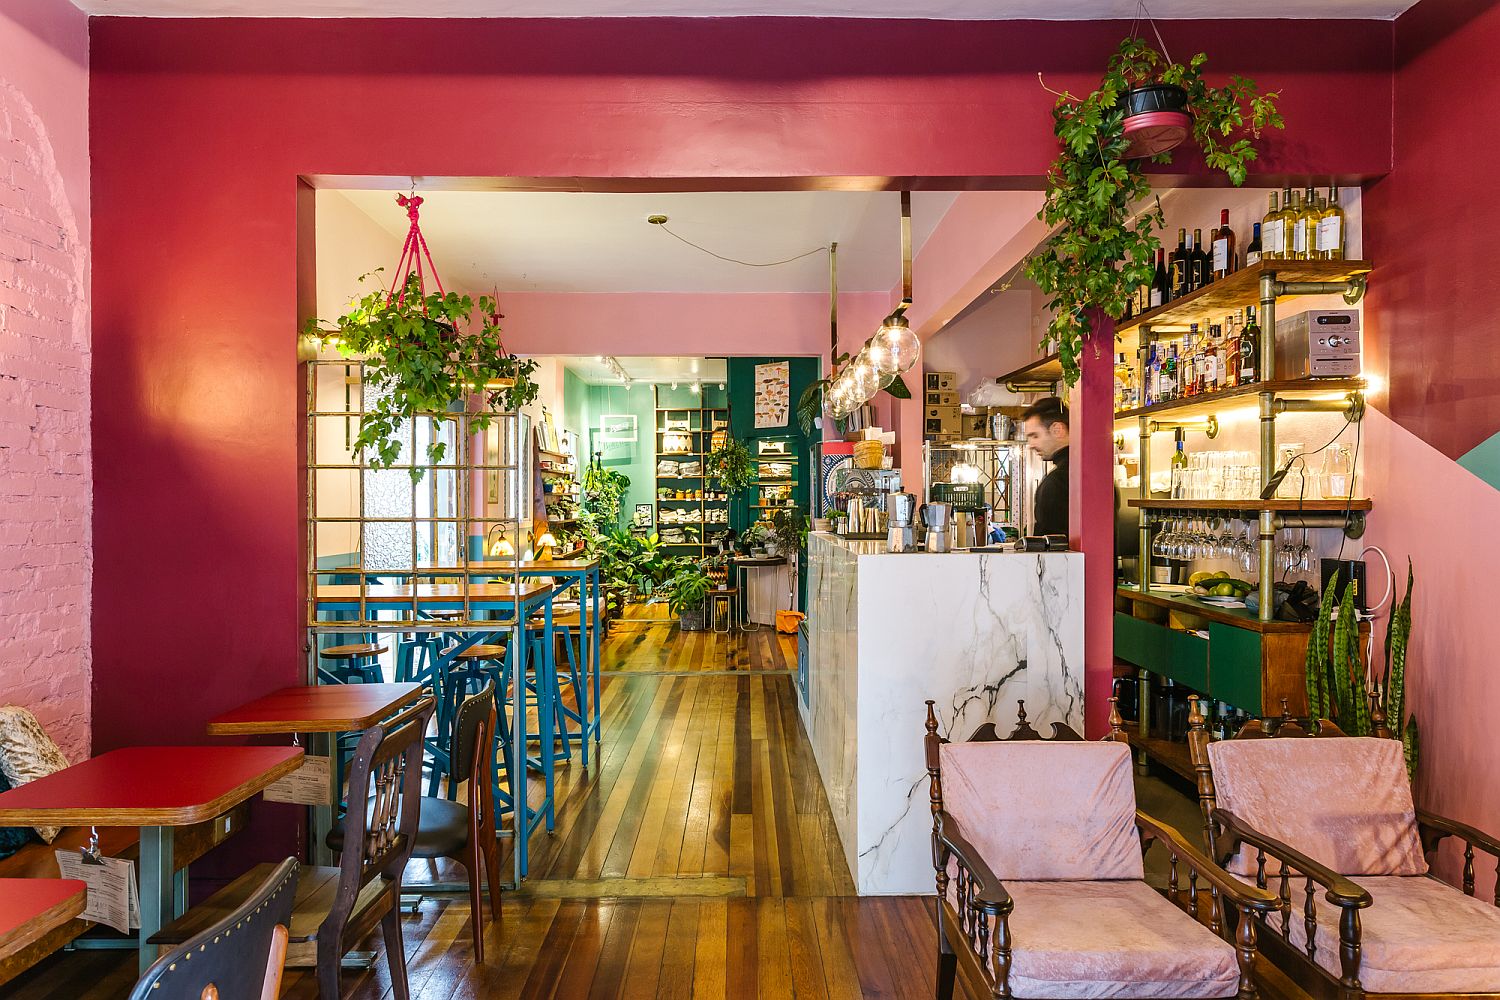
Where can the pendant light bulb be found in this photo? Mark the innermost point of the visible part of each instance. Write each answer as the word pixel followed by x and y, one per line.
pixel 897 338
pixel 864 382
pixel 881 357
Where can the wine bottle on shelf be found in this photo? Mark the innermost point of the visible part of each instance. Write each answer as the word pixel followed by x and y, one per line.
pixel 1250 350
pixel 1161 283
pixel 1310 221
pixel 1223 248
pixel 1271 228
pixel 1179 471
pixel 1199 272
pixel 1296 228
pixel 1179 265
pixel 1255 248
pixel 1331 229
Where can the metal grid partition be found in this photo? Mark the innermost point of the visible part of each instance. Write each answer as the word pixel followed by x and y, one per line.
pixel 1000 470
pixel 369 528
pixel 412 557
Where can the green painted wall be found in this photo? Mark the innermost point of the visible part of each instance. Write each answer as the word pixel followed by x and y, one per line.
pixel 803 372
pixel 635 460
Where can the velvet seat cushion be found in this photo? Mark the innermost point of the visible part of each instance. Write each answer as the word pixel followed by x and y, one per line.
pixel 1040 811
pixel 1343 801
pixel 1420 936
pixel 1105 940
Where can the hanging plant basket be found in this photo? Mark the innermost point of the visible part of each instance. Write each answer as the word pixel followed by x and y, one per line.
pixel 1156 120
pixel 426 353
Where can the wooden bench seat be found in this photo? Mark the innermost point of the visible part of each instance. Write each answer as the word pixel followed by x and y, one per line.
pixel 38 860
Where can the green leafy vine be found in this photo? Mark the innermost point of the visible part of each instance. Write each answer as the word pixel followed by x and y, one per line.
pixel 1102 250
pixel 424 354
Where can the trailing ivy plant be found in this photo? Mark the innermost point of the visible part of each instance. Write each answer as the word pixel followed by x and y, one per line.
pixel 731 466
pixel 1099 254
pixel 425 354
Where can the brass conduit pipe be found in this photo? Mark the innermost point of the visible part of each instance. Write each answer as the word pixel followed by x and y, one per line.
pixel 1352 289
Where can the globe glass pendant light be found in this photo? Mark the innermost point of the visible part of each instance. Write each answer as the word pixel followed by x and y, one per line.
pixel 838 398
pixel 864 381
pixel 881 357
pixel 896 338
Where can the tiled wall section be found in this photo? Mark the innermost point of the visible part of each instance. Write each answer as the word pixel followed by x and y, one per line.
pixel 45 479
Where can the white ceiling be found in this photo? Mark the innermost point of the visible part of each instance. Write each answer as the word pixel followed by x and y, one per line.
pixel 601 242
pixel 979 10
pixel 654 369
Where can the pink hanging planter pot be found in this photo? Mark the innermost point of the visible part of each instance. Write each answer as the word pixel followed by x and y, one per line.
pixel 1156 119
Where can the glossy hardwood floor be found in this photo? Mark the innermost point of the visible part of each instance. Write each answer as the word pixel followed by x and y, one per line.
pixel 696 858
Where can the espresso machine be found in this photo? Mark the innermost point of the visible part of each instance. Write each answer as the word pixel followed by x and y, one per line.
pixel 936 518
pixel 900 522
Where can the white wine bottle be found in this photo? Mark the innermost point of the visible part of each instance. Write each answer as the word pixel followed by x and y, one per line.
pixel 1331 229
pixel 1272 244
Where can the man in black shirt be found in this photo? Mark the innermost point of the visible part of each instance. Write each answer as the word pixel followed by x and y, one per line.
pixel 1045 424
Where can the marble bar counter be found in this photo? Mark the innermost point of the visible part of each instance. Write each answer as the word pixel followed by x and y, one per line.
pixel 974 632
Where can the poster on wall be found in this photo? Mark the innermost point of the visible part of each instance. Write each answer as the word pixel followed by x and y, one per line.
pixel 617 428
pixel 643 515
pixel 773 394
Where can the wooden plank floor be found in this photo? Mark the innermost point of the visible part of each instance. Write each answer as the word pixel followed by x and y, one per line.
pixel 696 858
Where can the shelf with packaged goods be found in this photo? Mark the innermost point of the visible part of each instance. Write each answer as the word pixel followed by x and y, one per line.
pixel 1242 289
pixel 1255 506
pixel 1246 395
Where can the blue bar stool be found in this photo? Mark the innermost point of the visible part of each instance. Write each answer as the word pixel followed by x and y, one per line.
pixel 540 693
pixel 567 629
pixel 356 663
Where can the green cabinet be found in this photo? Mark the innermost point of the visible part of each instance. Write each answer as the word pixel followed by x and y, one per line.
pixel 1234 666
pixel 1169 652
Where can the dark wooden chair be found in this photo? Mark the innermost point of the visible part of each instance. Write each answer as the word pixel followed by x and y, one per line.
pixel 1056 818
pixel 1334 816
pixel 464 832
pixel 240 957
pixel 336 908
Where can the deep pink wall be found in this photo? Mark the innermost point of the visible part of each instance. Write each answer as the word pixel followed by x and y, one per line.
pixel 198 506
pixel 45 473
pixel 1430 229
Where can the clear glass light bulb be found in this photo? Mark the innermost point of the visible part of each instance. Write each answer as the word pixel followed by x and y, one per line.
pixel 897 337
pixel 864 381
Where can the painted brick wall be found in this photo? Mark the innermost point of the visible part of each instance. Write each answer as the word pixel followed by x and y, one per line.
pixel 45 477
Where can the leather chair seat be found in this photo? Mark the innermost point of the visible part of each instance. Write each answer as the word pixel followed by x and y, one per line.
pixel 442 829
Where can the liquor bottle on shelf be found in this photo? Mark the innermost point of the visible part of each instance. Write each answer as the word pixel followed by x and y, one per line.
pixel 1230 376
pixel 1179 266
pixel 1331 229
pixel 1152 376
pixel 1271 229
pixel 1256 247
pixel 1199 272
pixel 1223 259
pixel 1250 350
pixel 1161 282
pixel 1122 381
pixel 1169 376
pixel 1211 356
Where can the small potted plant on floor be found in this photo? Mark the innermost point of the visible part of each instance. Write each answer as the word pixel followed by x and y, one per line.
pixel 687 593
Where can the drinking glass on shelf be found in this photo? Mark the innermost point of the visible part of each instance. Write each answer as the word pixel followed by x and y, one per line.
pixel 1338 471
pixel 1294 485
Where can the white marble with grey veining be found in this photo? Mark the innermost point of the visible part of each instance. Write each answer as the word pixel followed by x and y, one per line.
pixel 972 631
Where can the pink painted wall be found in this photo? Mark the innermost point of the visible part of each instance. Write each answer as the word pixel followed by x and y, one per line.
pixel 45 475
pixel 1429 315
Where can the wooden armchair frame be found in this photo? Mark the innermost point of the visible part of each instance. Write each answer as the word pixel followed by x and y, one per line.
pixel 969 946
pixel 1227 833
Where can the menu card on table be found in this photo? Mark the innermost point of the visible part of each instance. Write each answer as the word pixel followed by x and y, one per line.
pixel 112 897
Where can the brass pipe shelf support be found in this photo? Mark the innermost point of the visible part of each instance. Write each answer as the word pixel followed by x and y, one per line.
pixel 1352 288
pixel 1352 405
pixel 1209 426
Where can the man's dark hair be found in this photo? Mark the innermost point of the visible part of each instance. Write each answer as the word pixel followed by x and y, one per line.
pixel 1049 411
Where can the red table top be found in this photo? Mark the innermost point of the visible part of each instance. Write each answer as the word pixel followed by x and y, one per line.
pixel 148 786
pixel 326 708
pixel 30 907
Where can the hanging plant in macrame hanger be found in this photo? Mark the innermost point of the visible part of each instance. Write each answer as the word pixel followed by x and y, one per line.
pixel 425 353
pixel 1098 193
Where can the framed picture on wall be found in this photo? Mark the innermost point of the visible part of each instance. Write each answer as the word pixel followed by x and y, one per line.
pixel 617 428
pixel 643 513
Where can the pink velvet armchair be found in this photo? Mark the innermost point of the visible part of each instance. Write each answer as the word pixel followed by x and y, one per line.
pixel 1314 816
pixel 1037 848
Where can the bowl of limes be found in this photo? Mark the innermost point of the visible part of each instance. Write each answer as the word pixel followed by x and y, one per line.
pixel 1219 588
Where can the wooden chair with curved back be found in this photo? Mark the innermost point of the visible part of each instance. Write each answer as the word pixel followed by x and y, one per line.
pixel 1335 817
pixel 1056 819
pixel 336 908
pixel 240 957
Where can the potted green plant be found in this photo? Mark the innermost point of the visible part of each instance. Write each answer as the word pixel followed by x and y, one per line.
pixel 687 594
pixel 426 354
pixel 1103 248
pixel 603 490
pixel 789 529
pixel 731 466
